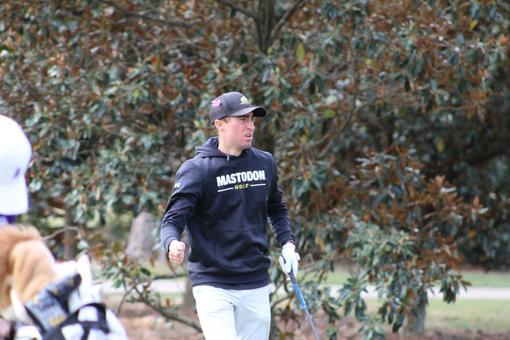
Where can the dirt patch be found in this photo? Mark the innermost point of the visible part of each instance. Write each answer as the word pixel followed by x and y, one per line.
pixel 442 334
pixel 142 323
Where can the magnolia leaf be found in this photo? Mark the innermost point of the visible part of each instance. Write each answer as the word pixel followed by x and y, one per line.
pixel 473 25
pixel 136 93
pixel 329 113
pixel 300 53
pixel 439 144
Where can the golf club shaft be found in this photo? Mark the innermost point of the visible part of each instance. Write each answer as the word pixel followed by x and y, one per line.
pixel 303 305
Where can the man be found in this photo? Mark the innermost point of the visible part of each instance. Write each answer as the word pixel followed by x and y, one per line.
pixel 223 197
pixel 15 154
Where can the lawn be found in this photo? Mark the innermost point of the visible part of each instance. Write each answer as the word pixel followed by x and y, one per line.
pixel 477 277
pixel 485 316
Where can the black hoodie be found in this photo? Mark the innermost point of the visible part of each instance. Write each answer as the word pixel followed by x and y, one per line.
pixel 225 202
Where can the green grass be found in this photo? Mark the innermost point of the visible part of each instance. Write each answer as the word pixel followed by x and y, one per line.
pixel 478 278
pixel 487 315
pixel 466 315
pixel 338 277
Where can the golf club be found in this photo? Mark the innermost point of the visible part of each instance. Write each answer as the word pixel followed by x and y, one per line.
pixel 303 304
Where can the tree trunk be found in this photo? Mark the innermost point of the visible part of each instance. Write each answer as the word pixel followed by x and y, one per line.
pixel 69 238
pixel 416 322
pixel 265 23
pixel 142 240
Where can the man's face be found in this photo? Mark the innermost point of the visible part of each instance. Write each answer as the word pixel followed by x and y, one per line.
pixel 237 132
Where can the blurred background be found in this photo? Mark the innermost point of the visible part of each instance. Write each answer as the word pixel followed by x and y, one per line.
pixel 389 120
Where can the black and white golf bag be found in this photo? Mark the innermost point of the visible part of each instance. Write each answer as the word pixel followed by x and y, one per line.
pixel 70 309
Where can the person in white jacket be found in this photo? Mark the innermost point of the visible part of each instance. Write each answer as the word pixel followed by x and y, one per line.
pixel 15 154
pixel 83 302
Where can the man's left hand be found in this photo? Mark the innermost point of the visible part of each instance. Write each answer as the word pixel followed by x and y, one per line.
pixel 289 258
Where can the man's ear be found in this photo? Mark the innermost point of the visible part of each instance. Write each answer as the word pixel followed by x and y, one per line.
pixel 218 124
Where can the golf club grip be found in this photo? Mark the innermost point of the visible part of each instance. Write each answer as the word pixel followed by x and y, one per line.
pixel 297 290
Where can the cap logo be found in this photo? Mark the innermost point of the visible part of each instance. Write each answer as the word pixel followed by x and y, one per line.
pixel 216 103
pixel 16 174
pixel 244 100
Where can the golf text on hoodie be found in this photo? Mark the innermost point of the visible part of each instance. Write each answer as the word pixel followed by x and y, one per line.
pixel 241 179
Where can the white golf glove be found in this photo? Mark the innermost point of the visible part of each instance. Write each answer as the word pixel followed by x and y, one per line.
pixel 289 258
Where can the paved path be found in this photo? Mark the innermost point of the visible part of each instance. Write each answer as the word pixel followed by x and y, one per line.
pixel 178 286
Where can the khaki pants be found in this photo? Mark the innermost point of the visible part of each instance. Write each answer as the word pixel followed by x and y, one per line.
pixel 229 314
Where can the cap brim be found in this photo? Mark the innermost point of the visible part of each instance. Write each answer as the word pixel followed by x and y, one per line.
pixel 258 111
pixel 14 197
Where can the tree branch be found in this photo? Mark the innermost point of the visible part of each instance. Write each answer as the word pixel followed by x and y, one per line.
pixel 171 23
pixel 350 114
pixel 146 297
pixel 62 230
pixel 164 311
pixel 121 303
pixel 238 8
pixel 168 277
pixel 284 19
pixel 489 153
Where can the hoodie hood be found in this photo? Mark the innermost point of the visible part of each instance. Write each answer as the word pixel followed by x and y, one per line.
pixel 210 149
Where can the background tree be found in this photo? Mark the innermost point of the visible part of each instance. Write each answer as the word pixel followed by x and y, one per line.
pixel 114 96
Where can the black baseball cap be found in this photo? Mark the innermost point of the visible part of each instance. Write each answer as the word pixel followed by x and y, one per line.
pixel 233 104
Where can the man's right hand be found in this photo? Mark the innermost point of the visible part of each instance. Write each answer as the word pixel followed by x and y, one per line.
pixel 176 251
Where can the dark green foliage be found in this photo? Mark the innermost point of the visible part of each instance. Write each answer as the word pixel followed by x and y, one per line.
pixel 114 96
pixel 403 236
